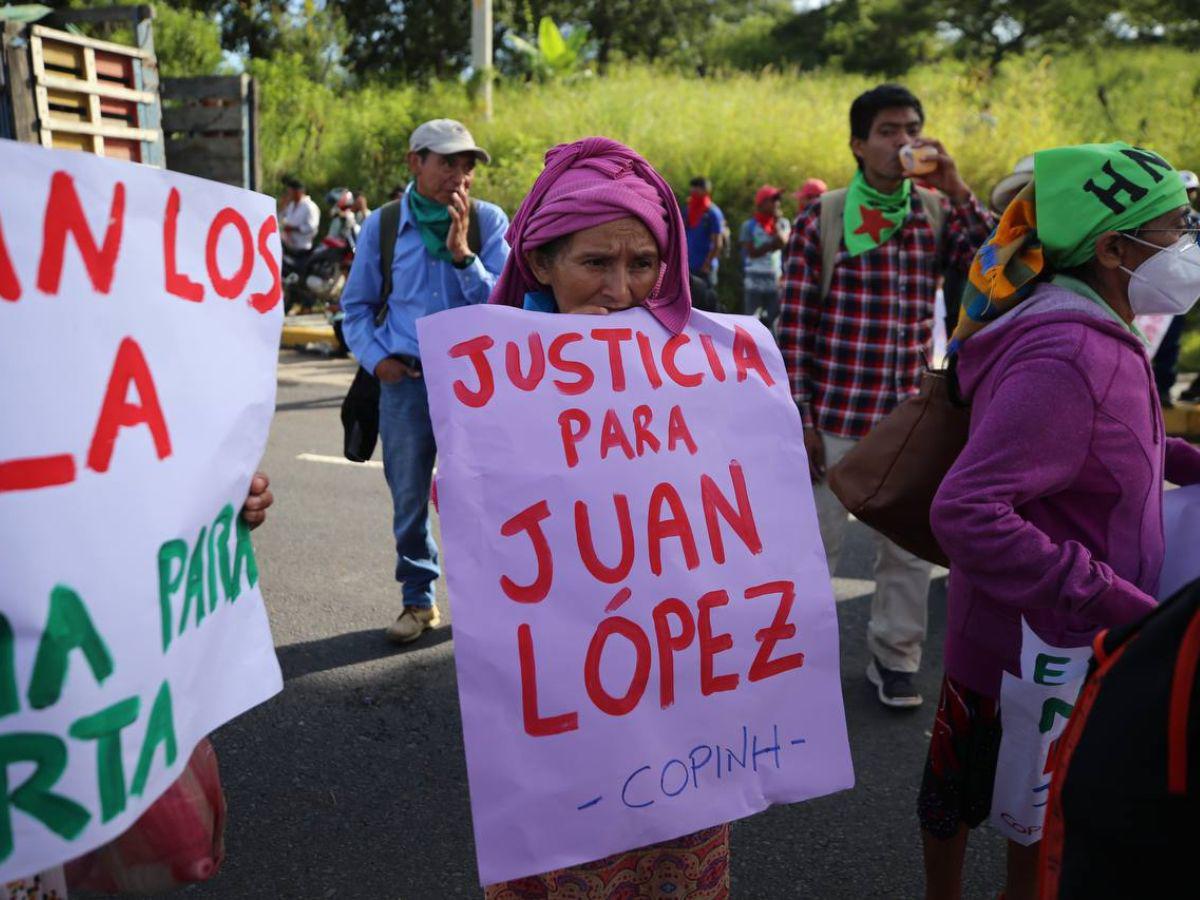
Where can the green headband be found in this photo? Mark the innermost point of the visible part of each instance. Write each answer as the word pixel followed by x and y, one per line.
pixel 1087 190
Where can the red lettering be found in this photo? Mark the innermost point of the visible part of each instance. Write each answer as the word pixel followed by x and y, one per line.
pixel 535 724
pixel 683 379
pixel 614 337
pixel 606 702
pixel 587 545
pixel 714 361
pixel 742 521
pixel 779 630
pixel 648 363
pixel 641 430
pixel 537 363
pixel 670 644
pixel 36 472
pixel 529 520
pixel 265 302
pixel 677 526
pixel 584 376
pixel 476 348
pixel 229 288
pixel 574 425
pixel 711 645
pixel 117 412
pixel 10 285
pixel 64 215
pixel 677 430
pixel 746 356
pixel 177 283
pixel 613 435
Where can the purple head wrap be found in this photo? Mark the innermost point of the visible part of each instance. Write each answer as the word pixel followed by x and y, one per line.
pixel 588 183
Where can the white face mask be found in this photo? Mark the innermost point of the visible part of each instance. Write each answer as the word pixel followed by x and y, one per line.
pixel 1169 281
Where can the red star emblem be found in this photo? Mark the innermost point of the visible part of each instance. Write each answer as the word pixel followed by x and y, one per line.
pixel 873 223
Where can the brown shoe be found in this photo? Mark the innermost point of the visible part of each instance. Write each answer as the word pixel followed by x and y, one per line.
pixel 412 623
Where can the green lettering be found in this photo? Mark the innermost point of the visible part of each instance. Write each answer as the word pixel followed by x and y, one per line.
pixel 1042 671
pixel 244 552
pixel 9 702
pixel 195 584
pixel 160 729
pixel 48 754
pixel 68 627
pixel 170 577
pixel 225 522
pixel 1051 708
pixel 104 728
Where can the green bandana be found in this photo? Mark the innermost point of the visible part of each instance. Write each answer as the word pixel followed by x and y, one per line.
pixel 433 223
pixel 871 216
pixel 1087 190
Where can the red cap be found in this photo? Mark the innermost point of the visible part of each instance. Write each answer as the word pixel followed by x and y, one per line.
pixel 767 192
pixel 814 187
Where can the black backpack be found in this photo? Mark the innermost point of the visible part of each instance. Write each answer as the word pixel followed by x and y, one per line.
pixel 360 408
pixel 1123 818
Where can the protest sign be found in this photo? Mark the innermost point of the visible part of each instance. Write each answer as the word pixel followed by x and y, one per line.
pixel 644 627
pixel 139 326
pixel 1034 709
pixel 1181 528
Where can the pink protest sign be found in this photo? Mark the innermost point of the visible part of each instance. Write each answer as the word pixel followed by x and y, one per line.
pixel 645 631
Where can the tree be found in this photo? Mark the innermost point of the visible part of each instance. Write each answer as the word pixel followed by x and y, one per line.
pixel 408 40
pixel 989 30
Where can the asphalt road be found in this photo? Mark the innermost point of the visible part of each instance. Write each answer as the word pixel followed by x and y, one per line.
pixel 352 782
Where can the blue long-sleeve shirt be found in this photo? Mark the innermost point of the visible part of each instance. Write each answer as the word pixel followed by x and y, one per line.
pixel 421 285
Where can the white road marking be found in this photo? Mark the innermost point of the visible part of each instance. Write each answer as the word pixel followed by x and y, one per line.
pixel 340 461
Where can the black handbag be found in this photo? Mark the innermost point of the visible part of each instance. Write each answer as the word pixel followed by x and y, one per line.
pixel 360 417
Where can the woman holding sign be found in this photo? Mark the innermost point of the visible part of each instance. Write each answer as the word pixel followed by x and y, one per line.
pixel 601 232
pixel 1052 514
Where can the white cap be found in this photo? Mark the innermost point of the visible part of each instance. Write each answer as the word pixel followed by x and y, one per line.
pixel 447 137
pixel 1010 185
pixel 1189 179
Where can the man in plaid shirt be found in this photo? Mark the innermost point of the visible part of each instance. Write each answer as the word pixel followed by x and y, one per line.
pixel 854 354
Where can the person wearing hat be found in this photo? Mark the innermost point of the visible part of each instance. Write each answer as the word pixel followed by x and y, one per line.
pixel 431 268
pixel 1166 359
pixel 1052 513
pixel 763 237
pixel 808 192
pixel 706 230
pixel 860 281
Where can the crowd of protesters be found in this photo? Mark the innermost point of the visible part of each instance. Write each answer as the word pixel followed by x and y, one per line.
pixel 1052 512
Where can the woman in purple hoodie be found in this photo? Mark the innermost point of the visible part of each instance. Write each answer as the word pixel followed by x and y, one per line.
pixel 1053 511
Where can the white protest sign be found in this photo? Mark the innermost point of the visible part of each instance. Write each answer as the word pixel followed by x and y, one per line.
pixel 645 632
pixel 1033 714
pixel 139 325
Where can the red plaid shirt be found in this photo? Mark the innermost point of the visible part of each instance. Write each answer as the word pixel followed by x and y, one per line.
pixel 853 357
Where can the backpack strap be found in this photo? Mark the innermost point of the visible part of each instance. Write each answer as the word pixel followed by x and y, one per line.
pixel 833 207
pixel 932 201
pixel 389 228
pixel 474 238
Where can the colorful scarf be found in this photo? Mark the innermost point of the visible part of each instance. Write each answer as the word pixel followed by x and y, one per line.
pixel 1077 194
pixel 767 222
pixel 697 207
pixel 588 183
pixel 871 216
pixel 433 223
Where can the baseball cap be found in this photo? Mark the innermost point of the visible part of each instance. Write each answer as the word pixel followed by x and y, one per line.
pixel 446 136
pixel 1010 185
pixel 1189 179
pixel 767 192
pixel 814 187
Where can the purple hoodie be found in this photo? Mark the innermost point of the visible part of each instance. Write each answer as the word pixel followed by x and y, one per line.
pixel 1054 509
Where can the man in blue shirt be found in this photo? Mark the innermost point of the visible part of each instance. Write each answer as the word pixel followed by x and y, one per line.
pixel 705 229
pixel 433 268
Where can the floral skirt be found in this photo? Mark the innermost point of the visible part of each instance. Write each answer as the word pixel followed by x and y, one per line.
pixel 693 867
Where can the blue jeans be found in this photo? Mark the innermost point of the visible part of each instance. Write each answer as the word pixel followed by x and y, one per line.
pixel 408 456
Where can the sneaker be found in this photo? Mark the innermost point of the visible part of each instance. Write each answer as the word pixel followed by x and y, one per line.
pixel 412 623
pixel 895 688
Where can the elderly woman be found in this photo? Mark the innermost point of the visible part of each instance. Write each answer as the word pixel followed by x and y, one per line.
pixel 1053 511
pixel 601 232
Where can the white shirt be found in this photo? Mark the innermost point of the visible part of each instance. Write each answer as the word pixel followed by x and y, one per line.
pixel 305 217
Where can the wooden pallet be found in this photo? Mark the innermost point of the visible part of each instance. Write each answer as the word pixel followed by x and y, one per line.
pixel 210 125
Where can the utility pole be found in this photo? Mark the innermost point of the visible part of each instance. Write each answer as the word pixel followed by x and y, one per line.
pixel 481 51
